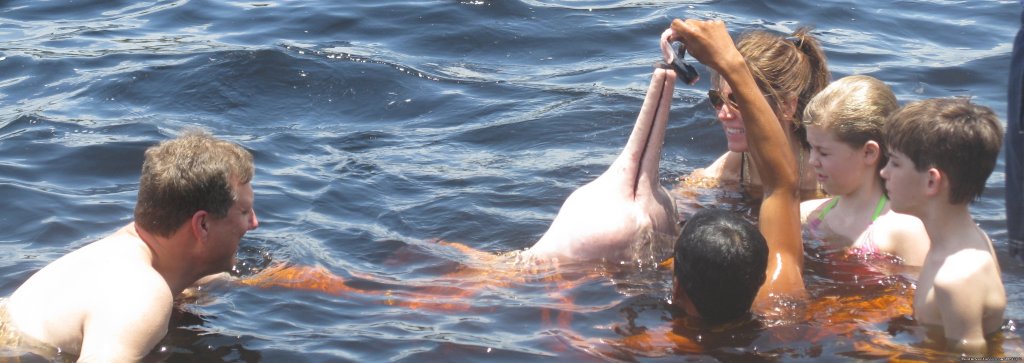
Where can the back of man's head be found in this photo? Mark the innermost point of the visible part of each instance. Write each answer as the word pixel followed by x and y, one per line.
pixel 959 138
pixel 720 262
pixel 192 172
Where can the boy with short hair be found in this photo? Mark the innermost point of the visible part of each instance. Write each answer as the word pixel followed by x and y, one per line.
pixel 941 152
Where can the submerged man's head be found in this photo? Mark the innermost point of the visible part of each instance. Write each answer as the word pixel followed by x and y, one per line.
pixel 720 262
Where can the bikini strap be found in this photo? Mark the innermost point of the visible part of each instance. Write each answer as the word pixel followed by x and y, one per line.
pixel 879 208
pixel 828 208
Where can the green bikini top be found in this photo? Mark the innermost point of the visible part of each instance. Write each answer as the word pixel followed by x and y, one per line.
pixel 832 203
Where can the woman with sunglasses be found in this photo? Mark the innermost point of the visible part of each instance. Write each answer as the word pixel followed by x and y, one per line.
pixel 788 70
pixel 779 215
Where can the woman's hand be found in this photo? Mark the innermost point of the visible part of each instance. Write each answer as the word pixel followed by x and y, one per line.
pixel 709 42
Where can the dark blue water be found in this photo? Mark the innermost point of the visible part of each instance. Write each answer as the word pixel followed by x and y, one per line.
pixel 380 127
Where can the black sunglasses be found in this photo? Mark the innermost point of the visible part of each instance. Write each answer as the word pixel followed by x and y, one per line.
pixel 715 96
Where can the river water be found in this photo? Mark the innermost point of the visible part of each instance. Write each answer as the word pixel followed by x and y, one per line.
pixel 381 128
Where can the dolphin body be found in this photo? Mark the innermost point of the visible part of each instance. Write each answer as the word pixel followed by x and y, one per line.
pixel 625 214
pixel 621 216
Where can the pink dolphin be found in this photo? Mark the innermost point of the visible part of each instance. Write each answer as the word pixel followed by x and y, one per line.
pixel 625 213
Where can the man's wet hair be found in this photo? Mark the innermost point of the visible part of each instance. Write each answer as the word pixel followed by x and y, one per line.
pixel 720 261
pixel 192 172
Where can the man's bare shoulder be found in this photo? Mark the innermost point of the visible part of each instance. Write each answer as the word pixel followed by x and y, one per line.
pixel 116 264
pixel 120 255
pixel 53 304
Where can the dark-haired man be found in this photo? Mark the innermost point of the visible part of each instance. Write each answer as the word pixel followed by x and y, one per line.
pixel 719 266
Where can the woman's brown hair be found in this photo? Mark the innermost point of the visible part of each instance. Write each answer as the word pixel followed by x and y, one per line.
pixel 786 67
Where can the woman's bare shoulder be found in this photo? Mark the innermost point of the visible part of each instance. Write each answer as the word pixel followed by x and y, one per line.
pixel 725 168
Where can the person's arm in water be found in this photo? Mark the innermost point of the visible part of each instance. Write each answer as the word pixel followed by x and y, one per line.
pixel 779 218
pixel 963 292
pixel 126 324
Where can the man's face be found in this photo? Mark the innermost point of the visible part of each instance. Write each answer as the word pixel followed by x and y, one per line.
pixel 682 300
pixel 227 232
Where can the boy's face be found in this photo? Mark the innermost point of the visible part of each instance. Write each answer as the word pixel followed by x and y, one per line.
pixel 906 186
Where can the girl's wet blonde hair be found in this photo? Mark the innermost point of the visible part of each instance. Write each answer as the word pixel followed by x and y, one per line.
pixel 854 109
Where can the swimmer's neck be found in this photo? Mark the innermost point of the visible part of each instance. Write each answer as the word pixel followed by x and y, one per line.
pixel 951 227
pixel 863 198
pixel 172 263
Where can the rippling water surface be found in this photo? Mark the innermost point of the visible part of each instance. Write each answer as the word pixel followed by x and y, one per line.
pixel 383 127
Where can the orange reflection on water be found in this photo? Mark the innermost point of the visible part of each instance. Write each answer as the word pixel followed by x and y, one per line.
pixel 868 316
pixel 452 292
pixel 843 315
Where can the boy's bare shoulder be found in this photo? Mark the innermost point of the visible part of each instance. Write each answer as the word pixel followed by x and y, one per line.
pixel 967 271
